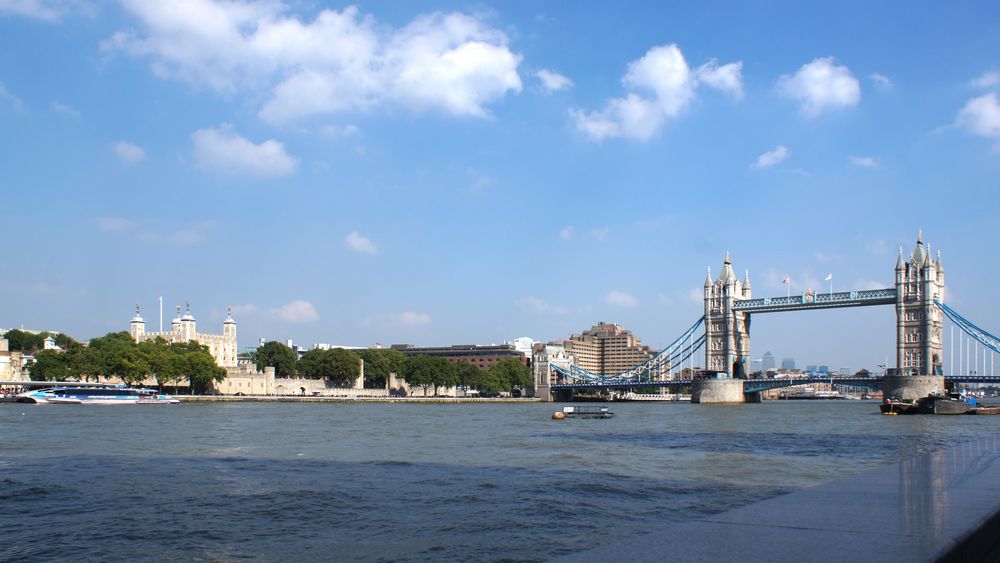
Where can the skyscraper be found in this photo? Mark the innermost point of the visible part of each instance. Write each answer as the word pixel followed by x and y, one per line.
pixel 767 361
pixel 788 363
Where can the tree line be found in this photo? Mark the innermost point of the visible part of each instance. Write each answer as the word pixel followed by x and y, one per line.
pixel 117 355
pixel 22 341
pixel 343 367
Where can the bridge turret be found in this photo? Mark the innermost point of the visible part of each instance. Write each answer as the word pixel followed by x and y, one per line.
pixel 727 343
pixel 918 321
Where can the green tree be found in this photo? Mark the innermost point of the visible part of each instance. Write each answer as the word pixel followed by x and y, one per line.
pixel 379 363
pixel 511 373
pixel 86 362
pixel 21 341
pixel 51 365
pixel 427 371
pixel 157 353
pixel 66 341
pixel 202 370
pixel 468 374
pixel 279 356
pixel 339 365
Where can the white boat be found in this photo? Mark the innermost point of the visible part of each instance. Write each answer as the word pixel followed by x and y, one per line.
pixel 96 395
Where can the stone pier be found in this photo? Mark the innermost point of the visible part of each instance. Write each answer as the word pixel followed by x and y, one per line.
pixel 710 391
pixel 912 387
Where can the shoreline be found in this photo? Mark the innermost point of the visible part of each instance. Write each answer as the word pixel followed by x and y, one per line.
pixel 295 399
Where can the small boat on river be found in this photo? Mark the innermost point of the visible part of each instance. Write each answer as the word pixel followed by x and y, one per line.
pixel 895 405
pixel 950 403
pixel 586 411
pixel 96 395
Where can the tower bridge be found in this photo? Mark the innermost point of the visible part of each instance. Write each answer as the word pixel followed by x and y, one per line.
pixel 917 295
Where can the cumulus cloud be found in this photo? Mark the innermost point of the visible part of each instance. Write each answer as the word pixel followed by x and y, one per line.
pixel 359 243
pixel 47 10
pixel 553 81
pixel 772 157
pixel 987 80
pixel 298 311
pixel 567 233
pixel 64 109
pixel 819 85
pixel 620 299
pixel 865 161
pixel 537 305
pixel 882 82
pixel 981 116
pixel 409 318
pixel 9 98
pixel 222 150
pixel 339 132
pixel 129 153
pixel 661 86
pixel 337 61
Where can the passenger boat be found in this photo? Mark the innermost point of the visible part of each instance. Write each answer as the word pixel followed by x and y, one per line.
pixel 95 395
pixel 578 411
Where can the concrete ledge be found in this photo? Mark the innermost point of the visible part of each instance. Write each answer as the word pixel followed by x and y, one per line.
pixel 708 391
pixel 940 507
pixel 912 387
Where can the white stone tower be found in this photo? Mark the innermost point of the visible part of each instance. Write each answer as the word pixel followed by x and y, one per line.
pixel 727 332
pixel 229 325
pixel 188 325
pixel 919 282
pixel 137 328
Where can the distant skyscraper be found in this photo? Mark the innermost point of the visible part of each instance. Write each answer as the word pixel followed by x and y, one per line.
pixel 824 369
pixel 811 367
pixel 767 361
pixel 757 365
pixel 788 363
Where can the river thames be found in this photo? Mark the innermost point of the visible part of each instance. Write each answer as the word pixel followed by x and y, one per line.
pixel 224 481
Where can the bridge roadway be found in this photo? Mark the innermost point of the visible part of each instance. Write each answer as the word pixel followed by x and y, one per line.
pixel 757 385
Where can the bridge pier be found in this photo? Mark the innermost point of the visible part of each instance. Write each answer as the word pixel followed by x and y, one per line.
pixel 711 391
pixel 912 387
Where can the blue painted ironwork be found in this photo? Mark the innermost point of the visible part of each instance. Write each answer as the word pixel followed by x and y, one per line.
pixel 805 301
pixel 642 374
pixel 967 326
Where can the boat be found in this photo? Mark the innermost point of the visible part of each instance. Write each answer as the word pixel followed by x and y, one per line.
pixel 951 403
pixel 95 395
pixel 895 405
pixel 586 411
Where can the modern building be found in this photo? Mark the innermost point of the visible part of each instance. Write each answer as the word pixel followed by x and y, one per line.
pixel 483 357
pixel 788 364
pixel 184 329
pixel 523 345
pixel 767 362
pixel 607 349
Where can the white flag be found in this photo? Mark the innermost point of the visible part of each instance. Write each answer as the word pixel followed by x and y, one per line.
pixel 786 281
pixel 828 277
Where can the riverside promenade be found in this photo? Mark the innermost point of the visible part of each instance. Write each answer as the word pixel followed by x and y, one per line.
pixel 943 506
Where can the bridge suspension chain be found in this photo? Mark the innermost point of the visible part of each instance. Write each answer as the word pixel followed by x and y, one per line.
pixel 682 348
pixel 981 335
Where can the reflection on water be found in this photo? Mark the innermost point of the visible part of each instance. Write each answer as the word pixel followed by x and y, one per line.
pixel 322 481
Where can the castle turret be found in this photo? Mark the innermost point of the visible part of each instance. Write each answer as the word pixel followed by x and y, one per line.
pixel 176 324
pixel 229 325
pixel 188 324
pixel 137 328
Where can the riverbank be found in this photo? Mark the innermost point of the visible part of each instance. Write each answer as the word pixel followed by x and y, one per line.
pixel 295 399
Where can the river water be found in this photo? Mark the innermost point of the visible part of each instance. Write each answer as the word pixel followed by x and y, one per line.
pixel 311 481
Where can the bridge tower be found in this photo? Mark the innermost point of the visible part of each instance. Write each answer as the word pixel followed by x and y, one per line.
pixel 919 282
pixel 727 332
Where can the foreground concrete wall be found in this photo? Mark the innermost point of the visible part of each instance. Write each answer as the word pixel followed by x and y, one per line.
pixel 911 387
pixel 709 391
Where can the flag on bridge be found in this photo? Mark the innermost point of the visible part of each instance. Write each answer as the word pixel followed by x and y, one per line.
pixel 786 281
pixel 828 277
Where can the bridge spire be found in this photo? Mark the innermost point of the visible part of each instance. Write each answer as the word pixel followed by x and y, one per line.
pixel 899 261
pixel 708 278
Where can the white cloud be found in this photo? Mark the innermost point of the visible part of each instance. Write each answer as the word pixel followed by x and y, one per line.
pixel 567 233
pixel 981 116
pixel 696 295
pixel 64 109
pixel 882 82
pixel 553 81
pixel 772 157
pixel 246 309
pixel 11 99
pixel 987 80
pixel 410 318
pixel 114 224
pixel 620 299
pixel 48 10
pixel 819 85
pixel 298 311
pixel 661 87
pixel 865 161
pixel 536 305
pixel 338 61
pixel 129 153
pixel 359 243
pixel 222 150
pixel 600 234
pixel 870 284
pixel 339 132
pixel 194 233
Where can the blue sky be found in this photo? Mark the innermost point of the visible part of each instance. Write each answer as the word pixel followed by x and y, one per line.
pixel 453 172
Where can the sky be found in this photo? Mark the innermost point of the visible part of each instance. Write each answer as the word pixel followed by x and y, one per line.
pixel 441 173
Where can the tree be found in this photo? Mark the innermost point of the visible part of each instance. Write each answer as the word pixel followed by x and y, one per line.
pixel 340 365
pixel 379 363
pixel 202 370
pixel 21 341
pixel 51 365
pixel 279 356
pixel 156 353
pixel 65 341
pixel 419 370
pixel 511 373
pixel 468 374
